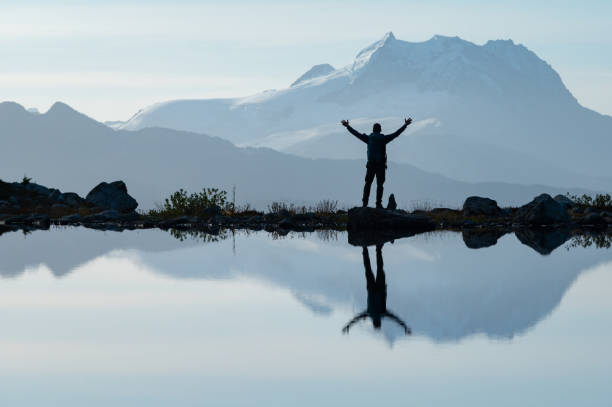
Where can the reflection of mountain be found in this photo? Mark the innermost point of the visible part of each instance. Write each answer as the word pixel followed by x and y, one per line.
pixel 445 291
pixel 63 250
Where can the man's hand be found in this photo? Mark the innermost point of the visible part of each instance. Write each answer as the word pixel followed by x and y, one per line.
pixel 345 123
pixel 408 121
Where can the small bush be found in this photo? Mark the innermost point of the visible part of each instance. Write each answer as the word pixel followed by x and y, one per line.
pixel 26 180
pixel 601 201
pixel 180 203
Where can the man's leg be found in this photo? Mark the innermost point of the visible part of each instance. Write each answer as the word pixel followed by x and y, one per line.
pixel 380 180
pixel 371 171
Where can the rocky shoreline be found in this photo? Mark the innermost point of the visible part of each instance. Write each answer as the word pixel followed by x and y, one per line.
pixel 108 206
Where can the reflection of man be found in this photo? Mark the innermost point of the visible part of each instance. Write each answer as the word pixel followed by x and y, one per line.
pixel 377 295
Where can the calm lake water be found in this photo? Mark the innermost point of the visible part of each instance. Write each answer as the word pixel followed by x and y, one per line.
pixel 140 318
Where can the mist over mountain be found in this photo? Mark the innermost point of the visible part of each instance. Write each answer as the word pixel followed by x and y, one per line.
pixel 68 150
pixel 492 112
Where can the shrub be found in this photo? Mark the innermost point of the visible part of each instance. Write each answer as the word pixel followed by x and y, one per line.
pixel 181 203
pixel 601 201
pixel 25 180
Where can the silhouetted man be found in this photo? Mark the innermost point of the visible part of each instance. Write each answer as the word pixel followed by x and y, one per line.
pixel 377 295
pixel 377 157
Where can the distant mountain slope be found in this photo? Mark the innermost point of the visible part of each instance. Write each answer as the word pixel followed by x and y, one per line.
pixel 65 148
pixel 499 95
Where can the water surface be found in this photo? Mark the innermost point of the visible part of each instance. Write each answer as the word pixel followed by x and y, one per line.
pixel 143 319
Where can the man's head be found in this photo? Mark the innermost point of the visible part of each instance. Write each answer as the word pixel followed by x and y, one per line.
pixel 377 128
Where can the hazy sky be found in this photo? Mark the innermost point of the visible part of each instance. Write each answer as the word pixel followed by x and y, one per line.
pixel 110 58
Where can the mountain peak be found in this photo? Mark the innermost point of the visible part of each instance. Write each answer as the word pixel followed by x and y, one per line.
pixel 314 72
pixel 59 107
pixel 364 56
pixel 388 37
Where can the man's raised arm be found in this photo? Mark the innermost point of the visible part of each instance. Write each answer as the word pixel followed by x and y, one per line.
pixel 390 137
pixel 354 132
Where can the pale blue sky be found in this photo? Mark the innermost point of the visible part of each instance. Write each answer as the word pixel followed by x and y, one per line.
pixel 110 58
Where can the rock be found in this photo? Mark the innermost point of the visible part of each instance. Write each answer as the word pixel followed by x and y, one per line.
pixel 543 210
pixel 564 201
pixel 108 215
pixel 15 220
pixel 4 204
pixel 256 219
pixel 113 196
pixel 74 218
pixel 38 189
pixel 392 205
pixel 543 241
pixel 221 220
pixel 71 199
pixel 286 223
pixel 360 218
pixel 478 239
pixel 59 206
pixel 13 200
pixel 476 205
pixel 39 220
pixel 594 219
pixel 54 195
pixel 303 217
pixel 210 212
pixel 577 210
pixel 606 214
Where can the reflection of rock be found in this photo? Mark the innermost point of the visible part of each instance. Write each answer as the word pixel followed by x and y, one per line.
pixel 382 219
pixel 594 219
pixel 478 239
pixel 375 237
pixel 543 210
pixel 543 241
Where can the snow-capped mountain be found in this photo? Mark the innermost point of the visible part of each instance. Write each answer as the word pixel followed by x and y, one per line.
pixel 482 112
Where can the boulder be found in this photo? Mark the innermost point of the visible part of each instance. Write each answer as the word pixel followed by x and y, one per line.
pixel 392 205
pixel 361 218
pixel 38 189
pixel 54 195
pixel 476 205
pixel 543 210
pixel 564 201
pixel 71 199
pixel 112 195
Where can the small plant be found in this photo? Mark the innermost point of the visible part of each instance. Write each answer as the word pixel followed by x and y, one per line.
pixel 25 180
pixel 601 201
pixel 325 207
pixel 180 203
pixel 276 207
